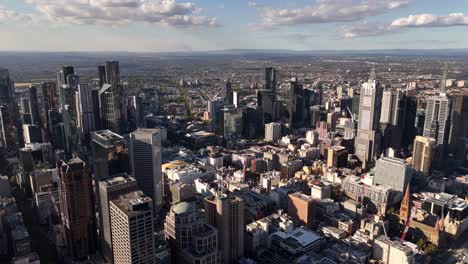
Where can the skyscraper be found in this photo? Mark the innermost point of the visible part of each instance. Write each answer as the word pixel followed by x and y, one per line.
pixel 214 107
pixel 6 87
pixel 132 229
pixel 227 94
pixel 296 103
pixel 266 97
pixel 109 189
pixel 145 157
pixel 367 142
pixel 272 132
pixel 423 154
pixel 393 172
pixel 460 125
pixel 438 125
pixel 113 100
pixel 67 90
pixel 106 148
pixel 193 240
pixel 77 208
pixel 85 118
pixel 8 133
pixel 226 213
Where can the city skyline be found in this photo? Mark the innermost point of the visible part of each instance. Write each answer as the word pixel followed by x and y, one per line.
pixel 161 26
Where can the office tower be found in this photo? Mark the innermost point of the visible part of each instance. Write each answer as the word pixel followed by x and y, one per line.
pixel 460 125
pixel 438 125
pixel 266 97
pixel 77 208
pixel 34 106
pixel 214 107
pixel 145 157
pixel 367 142
pixel 388 105
pixel 6 87
pixel 32 134
pixel 318 88
pixel 113 100
pixel 101 75
pixel 227 94
pixel 191 237
pixel 62 76
pixel 49 101
pixel 8 133
pixel 235 99
pixel 393 172
pixel 95 99
pixel 423 154
pixel 253 125
pixel 112 73
pixel 7 99
pixel 109 189
pixel 312 137
pixel 301 208
pixel 272 132
pixel 226 213
pixel 336 156
pixel 132 229
pixel 85 113
pixel 232 122
pixel 408 110
pixel 108 150
pixel 296 108
pixel 315 115
pixel 392 251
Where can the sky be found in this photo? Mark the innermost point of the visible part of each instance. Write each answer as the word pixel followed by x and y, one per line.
pixel 198 25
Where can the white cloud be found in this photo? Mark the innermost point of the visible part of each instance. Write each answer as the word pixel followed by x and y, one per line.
pixel 252 4
pixel 113 12
pixel 326 11
pixel 11 15
pixel 411 21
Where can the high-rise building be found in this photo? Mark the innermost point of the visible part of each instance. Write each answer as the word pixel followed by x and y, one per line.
pixel 393 172
pixel 193 240
pixel 85 113
pixel 101 75
pixel 77 208
pixel 301 208
pixel 423 154
pixel 227 94
pixel 253 126
pixel 6 87
pixel 49 101
pixel 367 142
pixel 34 107
pixel 296 107
pixel 110 189
pixel 68 109
pixel 214 107
pixel 109 155
pixel 438 125
pixel 113 100
pixel 226 213
pixel 460 125
pixel 266 97
pixel 272 132
pixel 132 229
pixel 8 133
pixel 145 157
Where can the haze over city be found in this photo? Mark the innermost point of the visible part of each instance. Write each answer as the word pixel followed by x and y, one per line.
pixel 234 132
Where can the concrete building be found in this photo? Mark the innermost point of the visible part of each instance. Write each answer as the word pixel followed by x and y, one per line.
pixel 393 172
pixel 272 132
pixel 132 229
pixel 5 189
pixel 192 239
pixel 423 154
pixel 368 136
pixel 312 137
pixel 438 125
pixel 226 213
pixel 337 156
pixel 110 189
pixel 392 251
pixel 145 154
pixel 77 208
pixel 85 113
pixel 301 208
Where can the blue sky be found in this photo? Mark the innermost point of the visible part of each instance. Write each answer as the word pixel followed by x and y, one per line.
pixel 184 25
